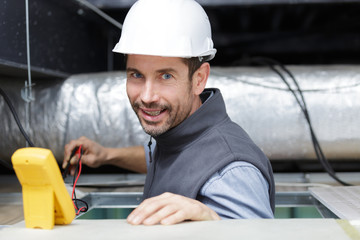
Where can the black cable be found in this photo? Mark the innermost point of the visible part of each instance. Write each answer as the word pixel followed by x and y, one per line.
pixel 81 209
pixel 318 151
pixel 6 164
pixel 13 111
pixel 301 102
pixel 316 144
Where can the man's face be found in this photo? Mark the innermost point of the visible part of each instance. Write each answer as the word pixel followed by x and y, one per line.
pixel 160 92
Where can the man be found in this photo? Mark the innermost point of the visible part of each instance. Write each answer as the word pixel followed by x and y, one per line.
pixel 204 166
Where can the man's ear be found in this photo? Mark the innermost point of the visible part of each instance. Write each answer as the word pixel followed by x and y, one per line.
pixel 200 78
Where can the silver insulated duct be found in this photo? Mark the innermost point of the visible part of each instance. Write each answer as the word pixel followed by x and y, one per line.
pixel 96 106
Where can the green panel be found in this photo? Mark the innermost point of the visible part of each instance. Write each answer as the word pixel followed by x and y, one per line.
pixel 297 212
pixel 107 213
pixel 122 213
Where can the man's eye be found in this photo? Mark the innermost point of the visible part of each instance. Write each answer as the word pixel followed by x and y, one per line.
pixel 166 76
pixel 137 75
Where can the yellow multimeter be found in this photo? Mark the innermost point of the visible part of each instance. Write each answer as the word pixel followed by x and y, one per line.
pixel 45 199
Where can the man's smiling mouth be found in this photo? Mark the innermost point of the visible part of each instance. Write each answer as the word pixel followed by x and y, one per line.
pixel 153 113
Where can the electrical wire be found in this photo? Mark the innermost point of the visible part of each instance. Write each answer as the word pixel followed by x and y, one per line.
pixel 73 195
pixel 13 111
pixel 6 164
pixel 79 152
pixel 301 102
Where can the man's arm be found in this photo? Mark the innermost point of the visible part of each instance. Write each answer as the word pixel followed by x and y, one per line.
pixel 239 190
pixel 95 155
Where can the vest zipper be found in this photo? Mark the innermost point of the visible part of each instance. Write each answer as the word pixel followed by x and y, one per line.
pixel 150 153
pixel 153 169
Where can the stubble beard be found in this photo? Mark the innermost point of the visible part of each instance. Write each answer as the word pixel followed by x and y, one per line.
pixel 150 127
pixel 173 120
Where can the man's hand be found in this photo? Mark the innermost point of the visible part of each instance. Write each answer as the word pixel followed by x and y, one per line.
pixel 93 155
pixel 169 208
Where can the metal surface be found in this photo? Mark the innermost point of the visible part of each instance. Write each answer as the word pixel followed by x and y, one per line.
pixel 96 106
pixel 65 38
pixel 108 180
pixel 10 198
pixel 113 199
pixel 106 196
pixel 289 200
pixel 301 199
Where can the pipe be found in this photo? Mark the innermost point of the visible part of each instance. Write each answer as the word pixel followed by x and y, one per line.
pixel 96 105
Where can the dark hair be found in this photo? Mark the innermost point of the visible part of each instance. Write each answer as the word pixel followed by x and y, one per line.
pixel 193 64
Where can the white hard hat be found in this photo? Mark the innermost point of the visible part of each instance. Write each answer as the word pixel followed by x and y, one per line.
pixel 168 28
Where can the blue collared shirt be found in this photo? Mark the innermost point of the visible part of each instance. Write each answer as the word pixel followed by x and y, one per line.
pixel 239 190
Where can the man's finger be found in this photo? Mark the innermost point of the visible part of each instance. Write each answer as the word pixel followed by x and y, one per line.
pixel 177 217
pixel 147 208
pixel 161 214
pixel 74 160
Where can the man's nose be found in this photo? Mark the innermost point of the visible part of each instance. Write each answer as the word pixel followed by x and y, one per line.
pixel 149 92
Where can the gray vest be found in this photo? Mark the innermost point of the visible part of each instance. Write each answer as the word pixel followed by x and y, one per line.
pixel 188 155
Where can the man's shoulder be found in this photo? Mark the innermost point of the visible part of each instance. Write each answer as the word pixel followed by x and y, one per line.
pixel 232 133
pixel 235 140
